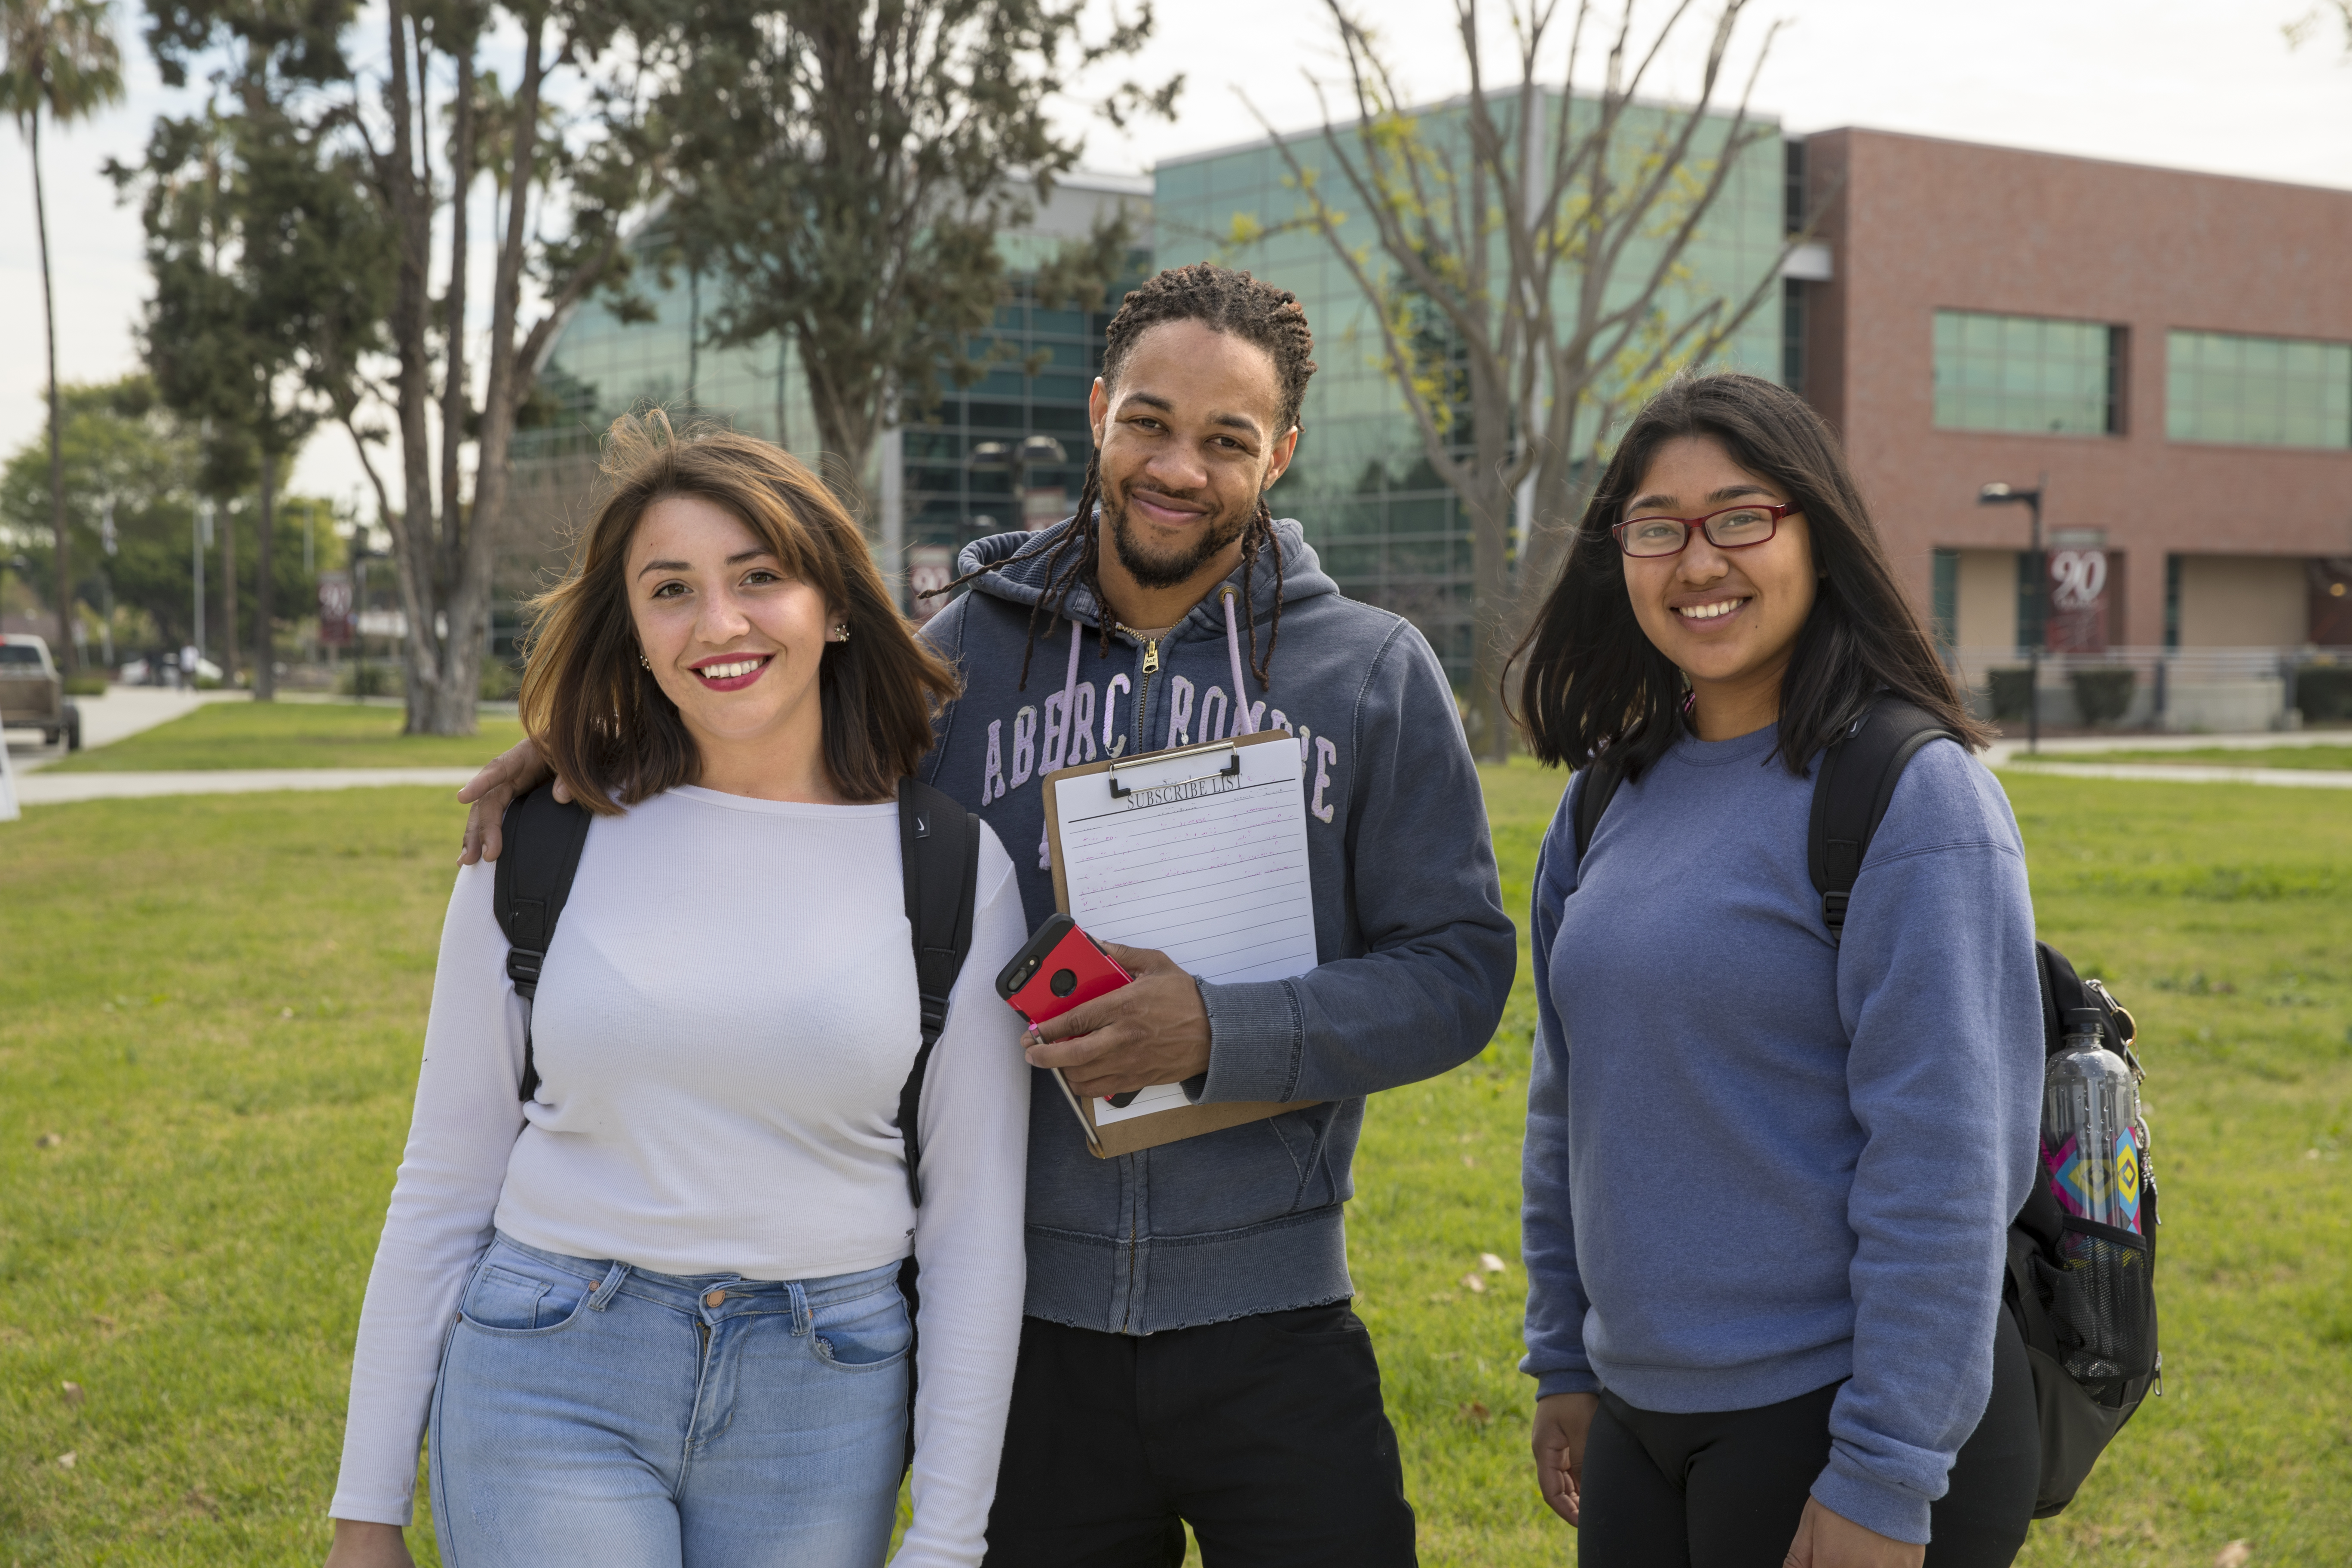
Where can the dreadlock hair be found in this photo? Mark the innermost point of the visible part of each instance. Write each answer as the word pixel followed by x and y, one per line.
pixel 1223 300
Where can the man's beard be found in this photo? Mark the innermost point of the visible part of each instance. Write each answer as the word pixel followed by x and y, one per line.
pixel 1174 569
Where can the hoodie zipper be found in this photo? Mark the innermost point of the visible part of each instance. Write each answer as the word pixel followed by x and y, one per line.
pixel 1143 685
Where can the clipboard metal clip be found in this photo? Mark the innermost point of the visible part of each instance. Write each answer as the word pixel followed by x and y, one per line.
pixel 1231 769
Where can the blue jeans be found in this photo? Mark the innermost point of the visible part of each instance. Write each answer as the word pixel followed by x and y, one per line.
pixel 590 1412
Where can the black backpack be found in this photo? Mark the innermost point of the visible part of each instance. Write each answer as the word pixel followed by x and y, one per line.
pixel 939 852
pixel 2084 1294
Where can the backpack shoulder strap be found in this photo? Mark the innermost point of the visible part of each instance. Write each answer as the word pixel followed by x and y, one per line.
pixel 1601 778
pixel 939 854
pixel 543 837
pixel 1858 773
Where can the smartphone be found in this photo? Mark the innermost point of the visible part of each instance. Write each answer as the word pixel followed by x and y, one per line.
pixel 1058 968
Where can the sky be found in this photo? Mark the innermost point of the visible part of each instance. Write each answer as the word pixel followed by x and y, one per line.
pixel 2209 85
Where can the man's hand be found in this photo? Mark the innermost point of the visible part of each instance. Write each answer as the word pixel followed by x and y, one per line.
pixel 362 1545
pixel 509 774
pixel 1154 1031
pixel 1563 1421
pixel 1826 1539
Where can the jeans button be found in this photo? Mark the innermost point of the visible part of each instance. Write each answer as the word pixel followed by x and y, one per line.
pixel 714 1297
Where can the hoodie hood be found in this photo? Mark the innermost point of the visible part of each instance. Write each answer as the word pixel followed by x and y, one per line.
pixel 1023 580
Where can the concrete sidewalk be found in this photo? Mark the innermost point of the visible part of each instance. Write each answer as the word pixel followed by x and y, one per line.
pixel 2001 753
pixel 2076 757
pixel 2184 773
pixel 58 789
pixel 121 711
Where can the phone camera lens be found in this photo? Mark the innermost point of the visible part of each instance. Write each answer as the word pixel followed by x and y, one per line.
pixel 1064 981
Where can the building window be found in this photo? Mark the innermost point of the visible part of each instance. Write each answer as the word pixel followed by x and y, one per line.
pixel 2172 600
pixel 1945 599
pixel 1792 188
pixel 2028 373
pixel 1792 335
pixel 2257 392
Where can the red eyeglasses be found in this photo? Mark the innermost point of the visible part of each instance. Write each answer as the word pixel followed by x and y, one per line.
pixel 1733 528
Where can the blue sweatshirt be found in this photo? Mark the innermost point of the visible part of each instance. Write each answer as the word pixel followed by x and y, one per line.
pixel 1757 1161
pixel 1414 952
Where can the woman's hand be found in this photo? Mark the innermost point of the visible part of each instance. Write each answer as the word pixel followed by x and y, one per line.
pixel 1562 1422
pixel 509 774
pixel 359 1544
pixel 1829 1540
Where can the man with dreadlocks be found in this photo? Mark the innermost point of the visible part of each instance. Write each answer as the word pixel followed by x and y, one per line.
pixel 1188 1351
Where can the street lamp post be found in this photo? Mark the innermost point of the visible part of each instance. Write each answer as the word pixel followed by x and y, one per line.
pixel 106 538
pixel 1999 494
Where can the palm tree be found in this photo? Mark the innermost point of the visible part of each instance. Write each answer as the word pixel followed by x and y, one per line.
pixel 59 56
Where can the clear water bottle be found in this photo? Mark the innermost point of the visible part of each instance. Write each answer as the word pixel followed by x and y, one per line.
pixel 2090 1142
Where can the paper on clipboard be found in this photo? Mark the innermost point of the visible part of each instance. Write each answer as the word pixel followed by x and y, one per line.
pixel 1199 852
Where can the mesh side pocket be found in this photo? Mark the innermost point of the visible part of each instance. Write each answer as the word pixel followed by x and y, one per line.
pixel 2102 1304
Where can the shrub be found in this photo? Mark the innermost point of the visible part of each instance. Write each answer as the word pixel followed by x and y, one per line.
pixel 2103 696
pixel 2324 692
pixel 500 682
pixel 85 686
pixel 2012 690
pixel 371 678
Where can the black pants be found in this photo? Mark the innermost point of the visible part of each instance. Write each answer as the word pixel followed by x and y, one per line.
pixel 1725 1491
pixel 1266 1434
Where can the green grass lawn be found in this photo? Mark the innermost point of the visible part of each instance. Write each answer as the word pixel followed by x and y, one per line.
pixel 214 1003
pixel 290 735
pixel 2333 757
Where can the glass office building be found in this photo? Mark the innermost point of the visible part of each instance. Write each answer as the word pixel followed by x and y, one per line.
pixel 1384 525
pixel 1373 507
pixel 950 473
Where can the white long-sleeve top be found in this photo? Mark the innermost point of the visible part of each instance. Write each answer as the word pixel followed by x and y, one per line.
pixel 725 1020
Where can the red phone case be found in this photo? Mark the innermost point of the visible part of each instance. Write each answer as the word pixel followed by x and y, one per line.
pixel 1060 968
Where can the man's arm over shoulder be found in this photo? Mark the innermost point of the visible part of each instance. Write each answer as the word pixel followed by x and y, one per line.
pixel 1420 872
pixel 943 635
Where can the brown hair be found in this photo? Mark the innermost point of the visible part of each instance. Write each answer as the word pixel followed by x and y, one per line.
pixel 1223 300
pixel 596 713
pixel 1595 680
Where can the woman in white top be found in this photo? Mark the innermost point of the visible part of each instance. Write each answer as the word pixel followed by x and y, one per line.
pixel 652 1313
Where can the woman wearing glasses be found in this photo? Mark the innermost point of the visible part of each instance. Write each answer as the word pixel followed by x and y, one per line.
pixel 1769 1174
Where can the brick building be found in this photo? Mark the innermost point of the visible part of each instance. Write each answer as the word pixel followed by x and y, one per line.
pixel 2168 354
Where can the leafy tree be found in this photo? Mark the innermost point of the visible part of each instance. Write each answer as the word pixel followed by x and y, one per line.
pixel 59 57
pixel 843 168
pixel 1526 255
pixel 566 182
pixel 120 445
pixel 2306 28
pixel 270 279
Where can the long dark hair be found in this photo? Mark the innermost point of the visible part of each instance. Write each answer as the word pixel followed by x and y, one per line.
pixel 1228 301
pixel 599 717
pixel 1595 680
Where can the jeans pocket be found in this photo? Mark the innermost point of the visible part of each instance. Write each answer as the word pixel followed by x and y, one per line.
pixel 859 1335
pixel 513 1293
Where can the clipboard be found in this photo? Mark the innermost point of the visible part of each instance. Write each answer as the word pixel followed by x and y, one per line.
pixel 1200 851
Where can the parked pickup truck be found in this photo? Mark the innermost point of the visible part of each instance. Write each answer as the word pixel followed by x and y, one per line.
pixel 33 695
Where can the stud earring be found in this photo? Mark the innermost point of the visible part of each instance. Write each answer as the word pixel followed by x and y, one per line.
pixel 642 662
pixel 841 632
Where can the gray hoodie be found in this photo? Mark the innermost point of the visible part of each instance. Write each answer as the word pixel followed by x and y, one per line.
pixel 1415 953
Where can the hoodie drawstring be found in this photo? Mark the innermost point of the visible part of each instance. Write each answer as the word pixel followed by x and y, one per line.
pixel 1069 694
pixel 1245 716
